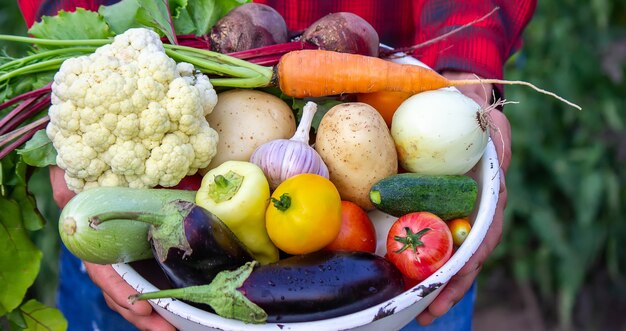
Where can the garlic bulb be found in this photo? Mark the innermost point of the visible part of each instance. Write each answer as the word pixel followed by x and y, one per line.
pixel 283 158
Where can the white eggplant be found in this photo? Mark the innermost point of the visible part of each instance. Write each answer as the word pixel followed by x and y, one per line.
pixel 119 240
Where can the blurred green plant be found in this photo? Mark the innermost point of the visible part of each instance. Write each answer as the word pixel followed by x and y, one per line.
pixel 39 237
pixel 11 22
pixel 566 182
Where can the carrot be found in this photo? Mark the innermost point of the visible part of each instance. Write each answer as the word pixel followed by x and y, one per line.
pixel 316 73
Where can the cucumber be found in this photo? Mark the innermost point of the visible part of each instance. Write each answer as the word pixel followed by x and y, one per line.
pixel 117 240
pixel 447 196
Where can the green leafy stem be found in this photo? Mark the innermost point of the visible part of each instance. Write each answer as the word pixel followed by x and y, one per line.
pixel 231 72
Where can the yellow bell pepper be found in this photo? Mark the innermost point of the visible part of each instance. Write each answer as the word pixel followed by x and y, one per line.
pixel 238 193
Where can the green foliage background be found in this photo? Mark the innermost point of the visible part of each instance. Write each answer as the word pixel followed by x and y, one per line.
pixel 46 239
pixel 565 218
pixel 11 22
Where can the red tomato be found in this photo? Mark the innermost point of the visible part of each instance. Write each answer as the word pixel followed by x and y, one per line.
pixel 357 231
pixel 418 244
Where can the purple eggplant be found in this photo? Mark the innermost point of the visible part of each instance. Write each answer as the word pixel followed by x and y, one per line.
pixel 300 288
pixel 190 244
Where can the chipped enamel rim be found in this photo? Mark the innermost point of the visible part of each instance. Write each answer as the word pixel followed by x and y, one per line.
pixel 389 315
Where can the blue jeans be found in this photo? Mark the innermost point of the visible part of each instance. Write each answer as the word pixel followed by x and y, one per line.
pixel 84 307
pixel 458 318
pixel 81 301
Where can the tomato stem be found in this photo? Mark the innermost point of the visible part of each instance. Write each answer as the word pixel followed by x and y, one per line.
pixel 411 240
pixel 283 204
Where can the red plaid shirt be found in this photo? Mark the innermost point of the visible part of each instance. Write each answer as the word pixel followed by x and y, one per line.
pixel 481 49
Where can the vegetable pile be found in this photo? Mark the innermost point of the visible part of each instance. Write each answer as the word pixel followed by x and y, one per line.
pixel 291 161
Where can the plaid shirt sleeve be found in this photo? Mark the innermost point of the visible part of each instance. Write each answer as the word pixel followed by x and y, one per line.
pixel 33 10
pixel 482 48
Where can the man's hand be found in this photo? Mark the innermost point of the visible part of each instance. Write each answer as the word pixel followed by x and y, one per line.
pixel 60 193
pixel 460 283
pixel 116 292
pixel 114 289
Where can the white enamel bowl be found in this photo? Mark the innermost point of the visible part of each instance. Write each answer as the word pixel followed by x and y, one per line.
pixel 390 315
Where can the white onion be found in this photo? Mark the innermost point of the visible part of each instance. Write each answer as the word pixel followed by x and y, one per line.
pixel 283 158
pixel 441 132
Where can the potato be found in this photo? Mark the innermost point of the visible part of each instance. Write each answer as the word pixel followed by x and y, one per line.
pixel 244 119
pixel 356 145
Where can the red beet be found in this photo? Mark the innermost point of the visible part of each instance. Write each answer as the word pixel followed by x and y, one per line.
pixel 248 26
pixel 343 32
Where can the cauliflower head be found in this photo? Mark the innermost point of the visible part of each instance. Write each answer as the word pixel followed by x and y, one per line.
pixel 129 115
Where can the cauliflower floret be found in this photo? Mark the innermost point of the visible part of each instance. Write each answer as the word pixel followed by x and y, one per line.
pixel 204 152
pixel 134 181
pixel 65 116
pixel 109 178
pixel 128 115
pixel 169 162
pixel 88 116
pixel 98 137
pixel 75 184
pixel 128 158
pixel 154 123
pixel 68 81
pixel 127 127
pixel 207 93
pixel 185 69
pixel 79 160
